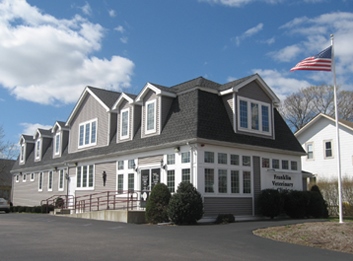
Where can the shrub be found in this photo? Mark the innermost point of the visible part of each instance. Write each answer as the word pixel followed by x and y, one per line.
pixel 47 208
pixel 270 203
pixel 296 204
pixel 59 203
pixel 157 204
pixel 185 206
pixel 317 205
pixel 225 219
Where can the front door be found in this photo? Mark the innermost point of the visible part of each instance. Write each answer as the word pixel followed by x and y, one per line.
pixel 149 178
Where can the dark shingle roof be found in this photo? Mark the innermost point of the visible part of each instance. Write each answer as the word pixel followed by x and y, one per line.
pixel 234 83
pixel 198 82
pixel 106 96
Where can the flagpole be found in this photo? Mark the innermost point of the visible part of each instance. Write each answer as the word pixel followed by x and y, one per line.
pixel 337 137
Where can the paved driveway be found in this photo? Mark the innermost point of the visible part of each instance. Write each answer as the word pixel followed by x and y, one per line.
pixel 44 237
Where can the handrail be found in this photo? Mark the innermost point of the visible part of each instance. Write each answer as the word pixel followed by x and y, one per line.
pixel 112 200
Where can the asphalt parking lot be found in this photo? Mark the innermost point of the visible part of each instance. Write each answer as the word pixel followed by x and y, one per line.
pixel 45 237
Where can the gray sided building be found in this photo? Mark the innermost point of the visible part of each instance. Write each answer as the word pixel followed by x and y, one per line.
pixel 228 140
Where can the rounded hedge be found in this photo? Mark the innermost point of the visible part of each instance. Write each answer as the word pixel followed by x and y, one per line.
pixel 270 203
pixel 157 204
pixel 185 206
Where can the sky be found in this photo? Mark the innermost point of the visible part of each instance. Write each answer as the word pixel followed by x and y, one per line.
pixel 51 50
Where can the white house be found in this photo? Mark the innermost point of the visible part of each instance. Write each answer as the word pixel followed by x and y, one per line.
pixel 318 139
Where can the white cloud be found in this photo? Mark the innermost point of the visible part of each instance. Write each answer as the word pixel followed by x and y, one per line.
pixel 31 128
pixel 239 3
pixel 86 9
pixel 286 54
pixel 49 60
pixel 120 29
pixel 248 33
pixel 112 13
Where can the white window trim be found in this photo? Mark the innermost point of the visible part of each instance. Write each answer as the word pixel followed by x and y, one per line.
pixel 312 147
pixel 57 147
pixel 22 153
pixel 154 117
pixel 84 133
pixel 24 177
pixel 87 187
pixel 40 181
pixel 17 178
pixel 50 178
pixel 124 137
pixel 249 129
pixel 332 150
pixel 32 179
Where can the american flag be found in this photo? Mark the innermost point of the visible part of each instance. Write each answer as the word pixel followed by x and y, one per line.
pixel 320 62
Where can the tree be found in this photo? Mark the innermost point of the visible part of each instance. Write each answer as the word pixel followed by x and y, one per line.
pixel 157 204
pixel 7 150
pixel 301 107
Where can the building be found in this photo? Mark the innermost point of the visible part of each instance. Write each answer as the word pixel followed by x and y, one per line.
pixel 318 139
pixel 6 178
pixel 228 140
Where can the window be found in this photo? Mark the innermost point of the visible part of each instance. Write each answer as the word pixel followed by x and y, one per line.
pixel 61 180
pixel 185 175
pixel 84 177
pixel 38 147
pixel 24 177
pixel 246 182
pixel 309 151
pixel 234 159
pixel 171 159
pixel 124 123
pixel 131 164
pixel 32 176
pixel 209 180
pixel 22 153
pixel 285 164
pixel 328 149
pixel 120 183
pixel 246 161
pixel 234 181
pixel 57 144
pixel 151 116
pixel 254 116
pixel 265 162
pixel 275 163
pixel 222 181
pixel 222 158
pixel 88 133
pixel 120 164
pixel 17 178
pixel 209 157
pixel 131 182
pixel 185 157
pixel 294 165
pixel 40 181
pixel 171 180
pixel 50 181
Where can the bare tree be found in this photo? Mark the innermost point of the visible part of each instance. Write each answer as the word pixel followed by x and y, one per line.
pixel 300 107
pixel 7 150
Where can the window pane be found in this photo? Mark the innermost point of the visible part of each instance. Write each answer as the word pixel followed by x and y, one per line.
pixel 78 181
pixel 234 159
pixel 294 165
pixel 246 182
pixel 254 116
pixel 50 180
pixel 309 149
pixel 131 164
pixel 120 164
pixel 124 123
pixel 246 161
pixel 265 118
pixel 185 175
pixel 171 159
pixel 222 158
pixel 265 163
pixel 222 181
pixel 93 132
pixel 171 180
pixel 57 143
pixel 81 135
pixel 185 157
pixel 84 176
pixel 275 163
pixel 40 181
pixel 243 114
pixel 285 164
pixel 150 116
pixel 90 177
pixel 61 179
pixel 234 179
pixel 209 157
pixel 120 183
pixel 328 149
pixel 131 182
pixel 209 180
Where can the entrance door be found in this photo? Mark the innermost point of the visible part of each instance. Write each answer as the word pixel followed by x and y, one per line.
pixel 149 178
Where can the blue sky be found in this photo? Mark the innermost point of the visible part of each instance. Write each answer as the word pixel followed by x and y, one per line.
pixel 51 50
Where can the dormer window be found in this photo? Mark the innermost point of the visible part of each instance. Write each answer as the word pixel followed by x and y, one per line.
pixel 38 149
pixel 22 153
pixel 150 116
pixel 57 144
pixel 124 124
pixel 88 133
pixel 254 116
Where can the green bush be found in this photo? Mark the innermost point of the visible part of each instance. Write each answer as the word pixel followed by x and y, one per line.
pixel 185 206
pixel 157 204
pixel 59 203
pixel 317 205
pixel 225 219
pixel 270 203
pixel 47 208
pixel 296 204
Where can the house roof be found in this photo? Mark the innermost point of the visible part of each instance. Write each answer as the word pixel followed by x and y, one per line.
pixel 311 123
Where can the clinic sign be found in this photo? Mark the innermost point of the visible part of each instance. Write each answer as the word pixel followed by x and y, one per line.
pixel 282 181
